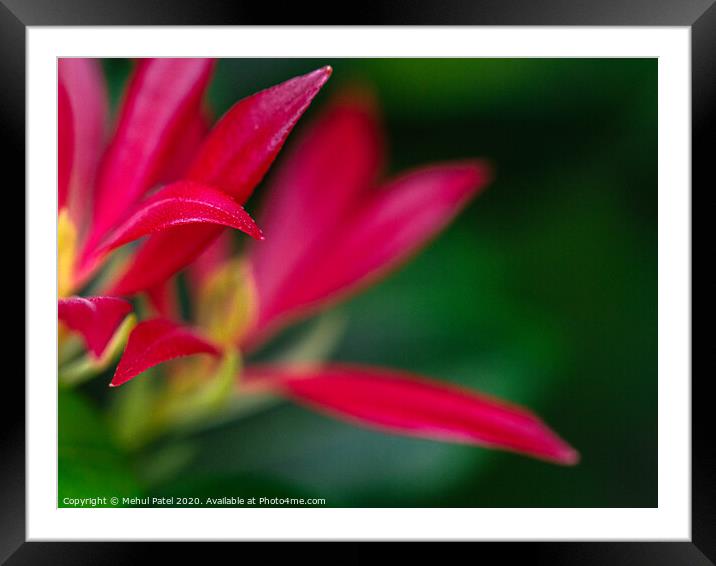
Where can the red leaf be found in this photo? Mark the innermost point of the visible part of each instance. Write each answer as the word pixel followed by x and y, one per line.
pixel 244 143
pixel 157 259
pixel 321 179
pixel 373 238
pixel 165 300
pixel 161 102
pixel 65 144
pixel 186 148
pixel 180 204
pixel 237 154
pixel 401 403
pixel 88 95
pixel 153 342
pixel 95 318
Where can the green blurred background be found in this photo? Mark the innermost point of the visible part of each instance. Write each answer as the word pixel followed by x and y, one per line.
pixel 543 292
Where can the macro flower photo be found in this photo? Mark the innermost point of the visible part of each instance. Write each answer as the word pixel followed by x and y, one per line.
pixel 356 283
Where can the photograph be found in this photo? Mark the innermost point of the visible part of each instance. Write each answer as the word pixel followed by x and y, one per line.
pixel 357 282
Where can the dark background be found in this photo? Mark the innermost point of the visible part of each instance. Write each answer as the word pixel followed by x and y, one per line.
pixel 543 292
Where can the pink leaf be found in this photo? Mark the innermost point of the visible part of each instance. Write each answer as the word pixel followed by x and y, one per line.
pixel 157 259
pixel 373 238
pixel 164 299
pixel 187 147
pixel 237 154
pixel 153 342
pixel 400 403
pixel 88 95
pixel 246 140
pixel 182 203
pixel 325 176
pixel 65 144
pixel 161 102
pixel 95 318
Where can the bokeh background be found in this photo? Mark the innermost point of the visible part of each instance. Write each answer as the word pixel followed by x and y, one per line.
pixel 543 292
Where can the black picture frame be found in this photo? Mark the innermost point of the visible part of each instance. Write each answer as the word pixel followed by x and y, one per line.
pixel 699 15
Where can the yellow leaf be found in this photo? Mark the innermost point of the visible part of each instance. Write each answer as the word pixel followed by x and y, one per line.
pixel 227 302
pixel 207 399
pixel 66 253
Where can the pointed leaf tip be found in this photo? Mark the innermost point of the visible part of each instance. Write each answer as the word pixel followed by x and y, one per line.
pixel 180 204
pixel 234 158
pixel 245 141
pixel 153 342
pixel 400 403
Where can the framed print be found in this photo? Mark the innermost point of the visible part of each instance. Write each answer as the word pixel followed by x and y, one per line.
pixel 425 276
